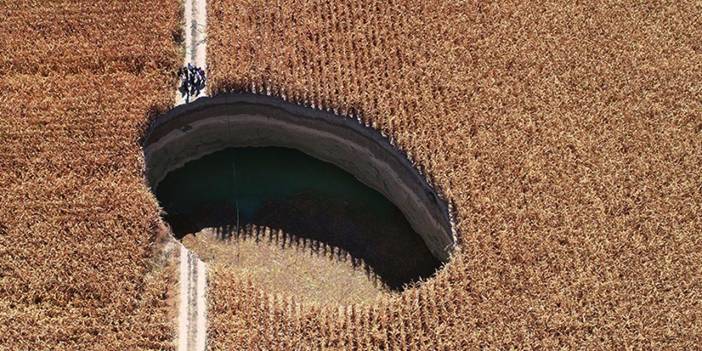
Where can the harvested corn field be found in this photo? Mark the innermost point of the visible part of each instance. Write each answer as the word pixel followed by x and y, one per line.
pixel 566 137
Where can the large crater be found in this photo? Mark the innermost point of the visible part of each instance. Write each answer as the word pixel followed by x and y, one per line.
pixel 206 130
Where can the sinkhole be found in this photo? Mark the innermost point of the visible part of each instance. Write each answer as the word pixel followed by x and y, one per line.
pixel 230 163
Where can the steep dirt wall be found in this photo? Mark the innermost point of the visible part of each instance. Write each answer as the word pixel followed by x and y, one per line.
pixel 208 125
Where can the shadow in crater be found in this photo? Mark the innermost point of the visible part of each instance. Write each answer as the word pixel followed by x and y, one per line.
pixel 304 197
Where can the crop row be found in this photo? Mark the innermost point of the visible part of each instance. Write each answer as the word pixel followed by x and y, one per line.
pixel 565 135
pixel 79 225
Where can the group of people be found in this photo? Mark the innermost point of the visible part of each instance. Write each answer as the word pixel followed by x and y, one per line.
pixel 192 81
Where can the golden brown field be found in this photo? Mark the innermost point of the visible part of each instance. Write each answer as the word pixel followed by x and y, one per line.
pixel 568 138
pixel 77 269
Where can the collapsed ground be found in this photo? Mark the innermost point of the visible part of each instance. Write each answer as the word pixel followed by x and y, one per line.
pixel 568 137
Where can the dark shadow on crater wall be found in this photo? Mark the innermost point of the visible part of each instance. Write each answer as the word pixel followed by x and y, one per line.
pixel 305 197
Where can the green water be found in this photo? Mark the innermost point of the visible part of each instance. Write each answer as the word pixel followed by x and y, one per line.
pixel 289 190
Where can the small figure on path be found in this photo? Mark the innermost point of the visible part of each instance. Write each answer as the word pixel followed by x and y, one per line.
pixel 192 81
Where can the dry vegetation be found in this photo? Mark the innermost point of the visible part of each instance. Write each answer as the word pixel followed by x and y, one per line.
pixel 283 264
pixel 78 227
pixel 568 137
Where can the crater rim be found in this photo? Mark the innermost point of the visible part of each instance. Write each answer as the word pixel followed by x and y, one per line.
pixel 209 124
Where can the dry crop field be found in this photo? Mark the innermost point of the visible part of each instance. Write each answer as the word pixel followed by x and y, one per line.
pixel 78 223
pixel 568 138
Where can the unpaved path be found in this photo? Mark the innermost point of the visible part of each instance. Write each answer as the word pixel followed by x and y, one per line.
pixel 192 301
pixel 195 30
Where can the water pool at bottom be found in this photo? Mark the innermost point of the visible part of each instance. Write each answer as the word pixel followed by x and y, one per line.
pixel 286 189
